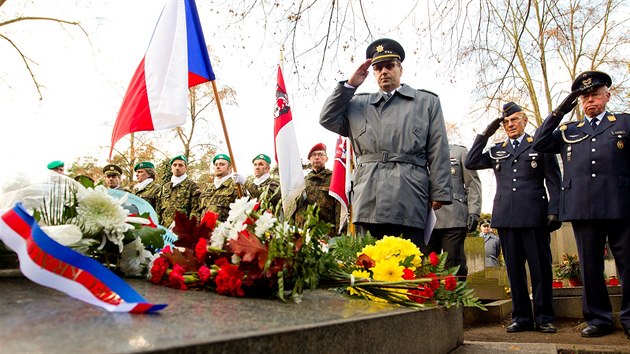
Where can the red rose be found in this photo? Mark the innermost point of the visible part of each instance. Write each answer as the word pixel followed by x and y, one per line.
pixel 408 274
pixel 204 273
pixel 433 259
pixel 160 265
pixel 364 261
pixel 229 281
pixel 176 278
pixel 450 283
pixel 201 250
pixel 421 295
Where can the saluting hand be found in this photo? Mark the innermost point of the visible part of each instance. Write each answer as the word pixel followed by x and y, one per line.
pixel 361 74
pixel 492 127
pixel 568 103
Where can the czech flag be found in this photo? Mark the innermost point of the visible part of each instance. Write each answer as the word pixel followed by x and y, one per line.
pixel 176 59
pixel 48 263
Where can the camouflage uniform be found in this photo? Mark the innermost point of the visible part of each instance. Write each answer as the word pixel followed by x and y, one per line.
pixel 272 196
pixel 218 199
pixel 184 198
pixel 150 193
pixel 316 192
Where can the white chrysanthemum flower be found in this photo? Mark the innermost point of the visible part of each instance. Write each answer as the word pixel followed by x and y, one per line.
pixel 235 259
pixel 64 234
pixel 240 210
pixel 98 212
pixel 264 222
pixel 134 257
pixel 219 235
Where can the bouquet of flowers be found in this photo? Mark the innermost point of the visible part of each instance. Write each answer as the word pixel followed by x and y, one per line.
pixel 255 254
pixel 89 220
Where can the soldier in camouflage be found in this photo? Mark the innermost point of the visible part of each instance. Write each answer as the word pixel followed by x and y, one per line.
pixel 261 185
pixel 218 196
pixel 316 189
pixel 147 188
pixel 180 194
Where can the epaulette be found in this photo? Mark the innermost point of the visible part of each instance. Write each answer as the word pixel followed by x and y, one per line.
pixel 611 118
pixel 564 125
pixel 460 145
pixel 530 139
pixel 427 91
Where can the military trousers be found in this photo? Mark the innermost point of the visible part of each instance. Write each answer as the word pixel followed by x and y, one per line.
pixel 450 240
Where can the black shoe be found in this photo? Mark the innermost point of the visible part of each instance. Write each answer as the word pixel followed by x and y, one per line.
pixel 592 331
pixel 545 328
pixel 519 327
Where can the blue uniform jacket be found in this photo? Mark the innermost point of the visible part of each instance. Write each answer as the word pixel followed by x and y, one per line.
pixel 521 199
pixel 596 181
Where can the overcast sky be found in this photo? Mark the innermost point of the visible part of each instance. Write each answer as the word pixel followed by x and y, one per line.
pixel 85 78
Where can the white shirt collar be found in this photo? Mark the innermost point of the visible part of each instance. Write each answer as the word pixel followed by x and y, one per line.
pixel 177 180
pixel 142 185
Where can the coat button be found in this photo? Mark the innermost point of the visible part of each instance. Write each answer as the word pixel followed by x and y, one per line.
pixel 593 162
pixel 513 179
pixel 594 139
pixel 513 189
pixel 593 175
pixel 593 150
pixel 515 170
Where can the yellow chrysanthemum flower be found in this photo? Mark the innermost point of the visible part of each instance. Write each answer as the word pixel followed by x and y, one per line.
pixel 391 247
pixel 357 275
pixel 388 270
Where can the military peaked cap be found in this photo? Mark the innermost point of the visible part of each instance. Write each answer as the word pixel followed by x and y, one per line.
pixel 590 80
pixel 384 49
pixel 112 170
pixel 509 109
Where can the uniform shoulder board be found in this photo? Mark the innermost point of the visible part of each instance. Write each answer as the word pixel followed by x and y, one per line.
pixel 427 91
pixel 460 145
pixel 565 125
pixel 530 139
pixel 362 94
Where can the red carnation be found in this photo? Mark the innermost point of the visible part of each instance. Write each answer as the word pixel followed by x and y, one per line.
pixel 435 283
pixel 160 265
pixel 450 283
pixel 176 278
pixel 209 220
pixel 433 259
pixel 201 250
pixel 408 274
pixel 204 273
pixel 229 281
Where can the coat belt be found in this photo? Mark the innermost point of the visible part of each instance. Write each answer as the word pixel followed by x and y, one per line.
pixel 393 157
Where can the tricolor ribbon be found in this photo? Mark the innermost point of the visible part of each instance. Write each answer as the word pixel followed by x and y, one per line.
pixel 48 263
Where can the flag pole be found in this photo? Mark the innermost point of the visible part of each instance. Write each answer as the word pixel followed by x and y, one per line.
pixel 225 134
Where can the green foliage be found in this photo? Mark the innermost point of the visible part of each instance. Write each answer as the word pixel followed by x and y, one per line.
pixel 346 247
pixel 569 267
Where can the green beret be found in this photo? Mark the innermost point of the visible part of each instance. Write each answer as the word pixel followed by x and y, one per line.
pixel 55 164
pixel 180 157
pixel 112 170
pixel 144 164
pixel 223 157
pixel 262 157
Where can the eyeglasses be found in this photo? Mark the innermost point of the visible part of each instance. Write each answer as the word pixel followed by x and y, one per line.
pixel 595 95
pixel 512 120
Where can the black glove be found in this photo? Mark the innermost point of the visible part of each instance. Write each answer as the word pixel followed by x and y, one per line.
pixel 492 128
pixel 471 223
pixel 567 105
pixel 553 223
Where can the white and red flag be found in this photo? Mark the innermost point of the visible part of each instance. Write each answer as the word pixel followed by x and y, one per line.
pixel 176 59
pixel 340 182
pixel 287 152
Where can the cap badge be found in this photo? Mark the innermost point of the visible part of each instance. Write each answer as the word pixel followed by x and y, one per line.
pixel 379 48
pixel 587 82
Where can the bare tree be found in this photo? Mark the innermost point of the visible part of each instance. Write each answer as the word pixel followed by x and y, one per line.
pixel 28 62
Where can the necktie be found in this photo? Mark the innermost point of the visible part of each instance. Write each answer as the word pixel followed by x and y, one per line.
pixel 515 144
pixel 594 123
pixel 387 96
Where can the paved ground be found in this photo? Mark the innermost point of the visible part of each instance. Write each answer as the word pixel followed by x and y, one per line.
pixel 566 340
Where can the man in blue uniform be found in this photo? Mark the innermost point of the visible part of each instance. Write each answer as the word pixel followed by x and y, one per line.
pixel 595 195
pixel 523 213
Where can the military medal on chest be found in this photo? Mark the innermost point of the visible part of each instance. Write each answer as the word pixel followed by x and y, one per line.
pixel 568 153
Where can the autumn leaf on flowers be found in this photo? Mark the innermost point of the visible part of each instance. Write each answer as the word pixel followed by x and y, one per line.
pixel 188 232
pixel 186 259
pixel 249 248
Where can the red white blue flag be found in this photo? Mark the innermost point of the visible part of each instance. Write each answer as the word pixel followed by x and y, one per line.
pixel 176 59
pixel 48 263
pixel 287 151
pixel 340 182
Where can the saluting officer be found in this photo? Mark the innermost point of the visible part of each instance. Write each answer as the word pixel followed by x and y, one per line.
pixel 180 194
pixel 147 188
pixel 595 195
pixel 523 213
pixel 454 220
